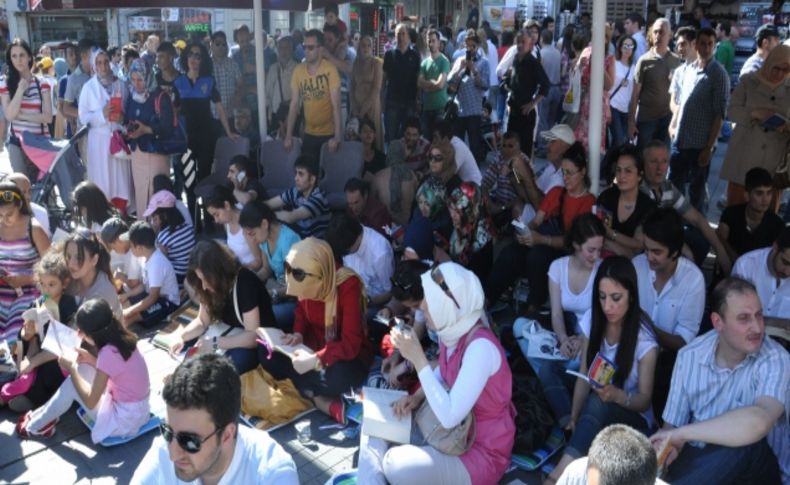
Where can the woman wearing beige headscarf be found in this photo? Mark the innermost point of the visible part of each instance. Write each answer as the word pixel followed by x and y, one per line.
pixel 329 320
pixel 758 96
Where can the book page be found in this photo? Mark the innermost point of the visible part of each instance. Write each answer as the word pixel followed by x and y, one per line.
pixel 61 340
pixel 274 337
pixel 378 418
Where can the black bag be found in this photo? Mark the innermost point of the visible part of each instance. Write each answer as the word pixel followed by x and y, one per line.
pixel 450 110
pixel 534 420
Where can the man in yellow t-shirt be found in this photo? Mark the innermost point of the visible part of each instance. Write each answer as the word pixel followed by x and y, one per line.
pixel 315 85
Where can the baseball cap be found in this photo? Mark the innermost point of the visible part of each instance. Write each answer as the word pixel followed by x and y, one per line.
pixel 45 63
pixel 114 228
pixel 559 132
pixel 180 44
pixel 766 31
pixel 160 200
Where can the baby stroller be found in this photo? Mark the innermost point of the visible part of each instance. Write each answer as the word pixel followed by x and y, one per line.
pixel 64 170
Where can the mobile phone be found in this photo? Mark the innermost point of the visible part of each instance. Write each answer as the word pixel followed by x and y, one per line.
pixel 521 228
pixel 241 176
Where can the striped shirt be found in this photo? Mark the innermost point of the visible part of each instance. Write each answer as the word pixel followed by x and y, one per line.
pixel 178 242
pixel 499 187
pixel 31 105
pixel 667 195
pixel 774 293
pixel 316 205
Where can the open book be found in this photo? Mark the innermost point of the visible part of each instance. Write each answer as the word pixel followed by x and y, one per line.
pixel 164 340
pixel 61 340
pixel 378 418
pixel 272 338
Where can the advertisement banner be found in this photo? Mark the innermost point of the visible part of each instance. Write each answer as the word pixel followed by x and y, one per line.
pixel 493 11
pixel 146 24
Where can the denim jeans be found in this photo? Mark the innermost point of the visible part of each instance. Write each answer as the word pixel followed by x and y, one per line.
pixel 619 128
pixel 595 416
pixel 653 130
pixel 752 464
pixel 470 127
pixel 685 170
pixel 243 359
pixel 394 117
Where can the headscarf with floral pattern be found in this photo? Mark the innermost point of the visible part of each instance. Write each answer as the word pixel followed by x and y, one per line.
pixel 475 229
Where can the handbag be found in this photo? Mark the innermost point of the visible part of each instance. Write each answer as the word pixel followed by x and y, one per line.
pixel 177 143
pixel 571 103
pixel 118 146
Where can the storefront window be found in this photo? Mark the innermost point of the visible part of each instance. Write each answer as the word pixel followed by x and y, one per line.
pixel 58 28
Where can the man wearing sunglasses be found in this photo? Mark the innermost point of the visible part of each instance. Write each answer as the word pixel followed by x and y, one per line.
pixel 201 439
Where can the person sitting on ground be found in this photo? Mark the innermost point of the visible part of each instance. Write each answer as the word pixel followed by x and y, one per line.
pixel 395 187
pixel 242 173
pixel 112 388
pixel 125 267
pixel 304 205
pixel 230 294
pixel 431 224
pixel 665 194
pixel 369 211
pixel 89 264
pixel 768 269
pixel 617 330
pixel 158 296
pixel 410 150
pixel 503 192
pixel 329 320
pixel 728 399
pixel 374 159
pixel 91 206
pixel 367 253
pixel 442 166
pixel 174 236
pixel 245 127
pixel 39 211
pixel 203 398
pixel 164 182
pixel 753 224
pixel 619 455
pixel 465 164
pixel 272 241
pixel 223 207
pixel 473 364
pixel 623 206
pixel 671 292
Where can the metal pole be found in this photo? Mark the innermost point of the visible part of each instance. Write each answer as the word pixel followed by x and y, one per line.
pixel 257 12
pixel 596 92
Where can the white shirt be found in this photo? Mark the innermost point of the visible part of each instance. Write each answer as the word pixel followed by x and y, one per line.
pixel 493 59
pixel 580 303
pixel 506 62
pixel 679 307
pixel 465 164
pixel 622 97
pixel 551 58
pixel 257 459
pixel 40 214
pixel 775 297
pixel 550 177
pixel 159 273
pixel 238 244
pixel 373 262
pixel 127 263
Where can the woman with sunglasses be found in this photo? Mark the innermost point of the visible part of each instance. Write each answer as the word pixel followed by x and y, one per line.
pixel 101 107
pixel 89 264
pixel 472 363
pixel 22 242
pixel 112 387
pixel 618 330
pixel 441 164
pixel 91 206
pixel 197 90
pixel 228 293
pixel 330 320
pixel 27 104
pixel 623 86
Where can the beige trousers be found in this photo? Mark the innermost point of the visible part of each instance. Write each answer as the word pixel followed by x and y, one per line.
pixel 145 166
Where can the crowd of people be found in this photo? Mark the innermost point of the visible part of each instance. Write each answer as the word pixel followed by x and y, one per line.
pixel 474 182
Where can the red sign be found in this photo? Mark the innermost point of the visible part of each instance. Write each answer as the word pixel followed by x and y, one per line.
pixel 400 11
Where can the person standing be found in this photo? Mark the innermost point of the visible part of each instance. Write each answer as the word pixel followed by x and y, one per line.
pixel 470 76
pixel 315 85
pixel 227 74
pixel 528 86
pixel 766 37
pixel 725 50
pixel 623 86
pixel 550 106
pixel 703 95
pixel 337 52
pixel 633 26
pixel 401 70
pixel 433 82
pixel 278 84
pixel 366 78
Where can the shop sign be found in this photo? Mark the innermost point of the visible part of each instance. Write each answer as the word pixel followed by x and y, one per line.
pixel 169 15
pixel 146 24
pixel 400 11
pixel 196 28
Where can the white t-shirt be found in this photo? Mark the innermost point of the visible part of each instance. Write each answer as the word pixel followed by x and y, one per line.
pixel 465 164
pixel 373 262
pixel 127 263
pixel 753 266
pixel 238 245
pixel 678 309
pixel 40 214
pixel 159 273
pixel 622 97
pixel 572 302
pixel 257 459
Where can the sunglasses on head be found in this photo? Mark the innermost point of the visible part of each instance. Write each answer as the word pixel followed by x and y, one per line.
pixel 298 273
pixel 400 285
pixel 9 196
pixel 189 442
pixel 438 278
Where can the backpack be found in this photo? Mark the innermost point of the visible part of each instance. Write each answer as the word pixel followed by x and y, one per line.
pixel 176 144
pixel 534 420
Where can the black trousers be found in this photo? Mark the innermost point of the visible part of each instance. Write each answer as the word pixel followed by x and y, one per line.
pixel 336 379
pixel 525 127
pixel 518 261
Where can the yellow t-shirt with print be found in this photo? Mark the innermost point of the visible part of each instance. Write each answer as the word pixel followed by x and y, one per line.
pixel 314 93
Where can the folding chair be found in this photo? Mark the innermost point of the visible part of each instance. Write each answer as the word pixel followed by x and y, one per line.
pixel 277 165
pixel 337 168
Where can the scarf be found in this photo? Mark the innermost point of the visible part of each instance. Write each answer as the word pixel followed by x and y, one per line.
pixel 107 81
pixel 138 66
pixel 475 230
pixel 452 322
pixel 433 191
pixel 315 257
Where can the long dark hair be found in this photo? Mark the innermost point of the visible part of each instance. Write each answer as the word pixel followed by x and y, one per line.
pixel 206 66
pixel 96 320
pixel 619 269
pixel 97 207
pixel 619 51
pixel 219 267
pixel 584 227
pixel 13 74
pixel 89 245
pixel 169 217
pixel 567 41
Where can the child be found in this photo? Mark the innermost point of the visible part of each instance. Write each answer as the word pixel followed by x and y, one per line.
pixel 158 296
pixel 175 237
pixel 125 267
pixel 113 387
pixel 40 376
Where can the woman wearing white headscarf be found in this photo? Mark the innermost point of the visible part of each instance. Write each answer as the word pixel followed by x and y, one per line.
pixel 472 363
pixel 103 116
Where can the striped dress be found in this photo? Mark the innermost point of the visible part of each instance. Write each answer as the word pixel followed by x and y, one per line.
pixel 16 257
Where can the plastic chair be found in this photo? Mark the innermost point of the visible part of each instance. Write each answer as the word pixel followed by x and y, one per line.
pixel 224 151
pixel 277 165
pixel 337 168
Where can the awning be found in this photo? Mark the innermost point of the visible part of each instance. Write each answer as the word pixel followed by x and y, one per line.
pixel 294 5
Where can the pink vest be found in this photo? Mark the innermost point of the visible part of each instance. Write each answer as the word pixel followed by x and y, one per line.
pixel 490 455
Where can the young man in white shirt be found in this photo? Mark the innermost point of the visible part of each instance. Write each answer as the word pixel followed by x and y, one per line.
pixel 729 393
pixel 465 165
pixel 201 441
pixel 769 271
pixel 671 291
pixel 158 296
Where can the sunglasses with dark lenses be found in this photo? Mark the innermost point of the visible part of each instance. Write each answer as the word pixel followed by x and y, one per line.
pixel 189 442
pixel 9 196
pixel 298 273
pixel 437 158
pixel 438 278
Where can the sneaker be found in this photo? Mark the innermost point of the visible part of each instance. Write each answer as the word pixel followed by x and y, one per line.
pixel 46 432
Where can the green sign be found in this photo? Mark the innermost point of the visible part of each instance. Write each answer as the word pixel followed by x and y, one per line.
pixel 196 28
